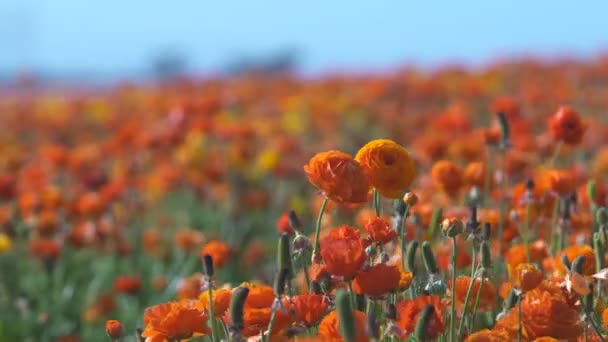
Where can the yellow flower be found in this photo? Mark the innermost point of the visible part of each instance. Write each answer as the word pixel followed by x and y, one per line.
pixel 388 165
pixel 5 243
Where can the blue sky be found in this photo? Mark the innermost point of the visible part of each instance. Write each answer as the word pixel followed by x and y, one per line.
pixel 120 36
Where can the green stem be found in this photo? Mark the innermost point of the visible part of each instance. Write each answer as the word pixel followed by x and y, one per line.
pixel 468 295
pixel 273 316
pixel 453 305
pixel 315 249
pixel 376 201
pixel 476 305
pixel 214 333
pixel 353 298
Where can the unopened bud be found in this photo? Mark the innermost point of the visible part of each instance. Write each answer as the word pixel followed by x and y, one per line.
pixel 114 329
pixel 294 220
pixel 280 281
pixel 410 257
pixel 429 258
pixel 577 264
pixel 410 199
pixel 601 215
pixel 422 325
pixel 346 320
pixel 452 227
pixel 486 256
pixel 237 304
pixel 284 254
pixel 208 265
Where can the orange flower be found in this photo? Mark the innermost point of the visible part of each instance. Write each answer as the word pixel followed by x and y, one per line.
pixel 605 318
pixel 489 336
pixel 343 251
pixel 173 321
pixel 219 251
pixel 447 176
pixel 380 230
pixel 129 284
pixel 475 174
pixel 309 308
pixel 487 299
pixel 574 251
pixel 338 176
pixel 517 254
pixel 114 329
pixel 526 277
pixel 545 312
pixel 377 280
pixel 388 165
pixel 329 328
pixel 561 182
pixel 221 301
pixel 409 310
pixel 566 125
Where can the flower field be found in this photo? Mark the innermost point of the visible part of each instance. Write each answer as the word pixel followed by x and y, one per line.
pixel 446 205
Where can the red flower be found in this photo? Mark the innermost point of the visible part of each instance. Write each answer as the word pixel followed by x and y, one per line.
pixel 343 252
pixel 380 230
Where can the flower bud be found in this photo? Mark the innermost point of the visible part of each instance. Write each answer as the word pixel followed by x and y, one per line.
pixel 486 256
pixel 592 191
pixel 346 320
pixel 452 227
pixel 429 258
pixel 114 329
pixel 487 231
pixel 280 281
pixel 601 215
pixel 598 248
pixel 566 262
pixel 410 257
pixel 577 264
pixel 511 300
pixel 436 287
pixel 475 196
pixel 284 254
pixel 237 304
pixel 208 265
pixel 435 221
pixel 505 130
pixel 422 325
pixel 410 199
pixel 294 220
pixel 315 287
